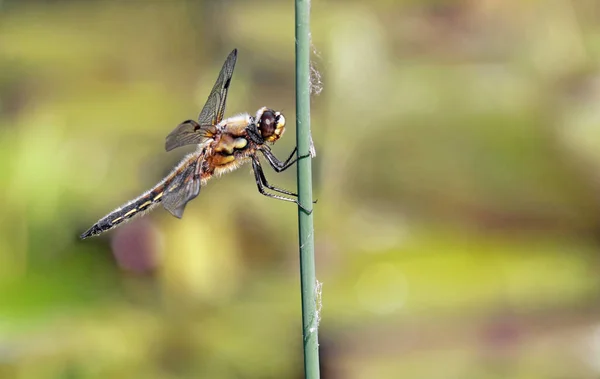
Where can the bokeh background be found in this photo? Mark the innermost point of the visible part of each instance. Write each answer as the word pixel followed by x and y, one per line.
pixel 458 223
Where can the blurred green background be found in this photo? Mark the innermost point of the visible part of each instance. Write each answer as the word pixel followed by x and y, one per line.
pixel 458 223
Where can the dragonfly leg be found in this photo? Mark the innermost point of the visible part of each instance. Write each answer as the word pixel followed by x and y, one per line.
pixel 278 165
pixel 266 183
pixel 261 183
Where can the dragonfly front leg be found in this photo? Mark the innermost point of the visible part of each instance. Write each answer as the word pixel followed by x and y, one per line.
pixel 278 165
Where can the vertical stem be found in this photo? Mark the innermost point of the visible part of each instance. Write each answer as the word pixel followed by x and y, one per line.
pixel 305 221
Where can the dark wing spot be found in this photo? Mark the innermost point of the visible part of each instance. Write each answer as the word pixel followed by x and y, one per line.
pixel 227 83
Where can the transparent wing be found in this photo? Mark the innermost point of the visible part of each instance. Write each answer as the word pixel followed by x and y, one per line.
pixel 191 132
pixel 214 109
pixel 188 133
pixel 181 190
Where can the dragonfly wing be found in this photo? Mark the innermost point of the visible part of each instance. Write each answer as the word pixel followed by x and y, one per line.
pixel 214 109
pixel 184 187
pixel 188 133
pixel 191 132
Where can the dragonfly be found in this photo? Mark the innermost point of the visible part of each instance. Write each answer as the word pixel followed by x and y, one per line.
pixel 223 145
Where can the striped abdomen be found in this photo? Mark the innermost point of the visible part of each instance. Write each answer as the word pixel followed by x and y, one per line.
pixel 133 208
pixel 142 203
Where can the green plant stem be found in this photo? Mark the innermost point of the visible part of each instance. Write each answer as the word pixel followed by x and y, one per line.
pixel 305 220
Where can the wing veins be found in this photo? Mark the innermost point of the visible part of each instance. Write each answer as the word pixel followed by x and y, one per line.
pixel 184 187
pixel 191 132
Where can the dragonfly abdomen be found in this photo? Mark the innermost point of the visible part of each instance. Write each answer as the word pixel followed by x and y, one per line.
pixel 126 212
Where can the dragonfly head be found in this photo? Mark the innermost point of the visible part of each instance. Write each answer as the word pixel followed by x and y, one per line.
pixel 271 124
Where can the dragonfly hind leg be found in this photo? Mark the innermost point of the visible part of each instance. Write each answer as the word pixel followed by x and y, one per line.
pixel 261 183
pixel 264 181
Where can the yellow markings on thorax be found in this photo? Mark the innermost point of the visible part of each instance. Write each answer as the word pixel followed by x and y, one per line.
pixel 228 144
pixel 240 143
pixel 220 160
pixel 225 150
pixel 230 166
pixel 158 196
pixel 117 220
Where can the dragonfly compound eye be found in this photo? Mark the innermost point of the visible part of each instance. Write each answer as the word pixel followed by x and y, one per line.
pixel 267 125
pixel 271 125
